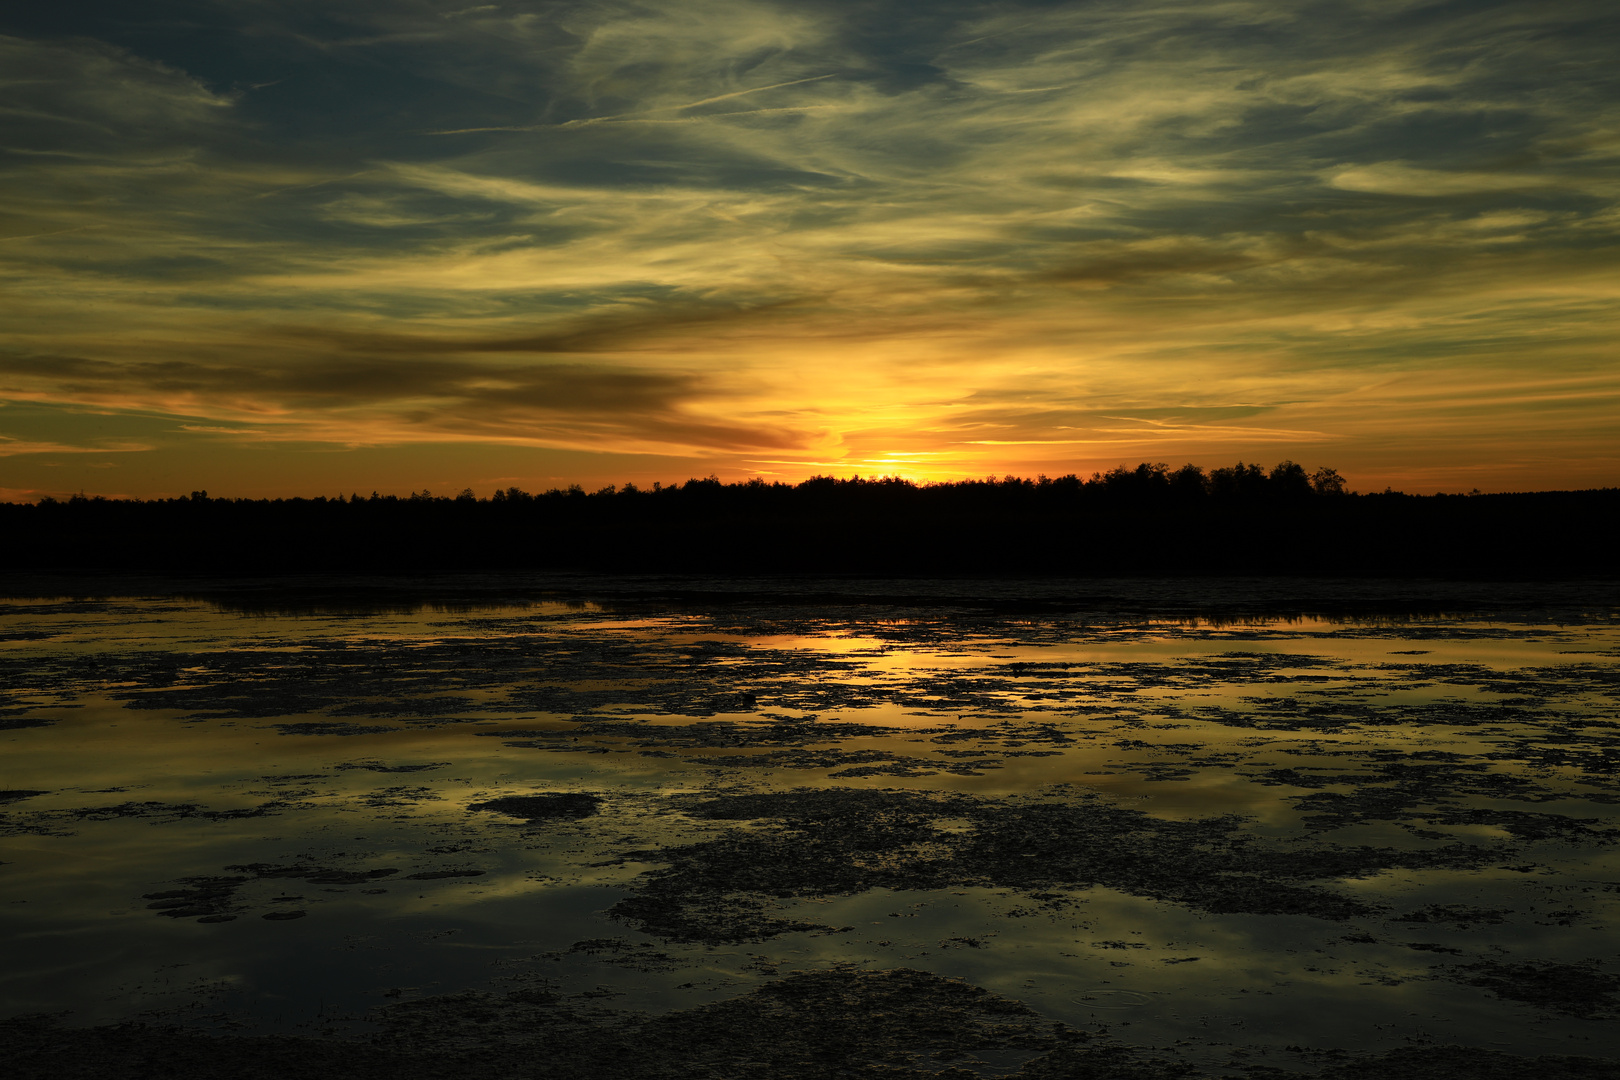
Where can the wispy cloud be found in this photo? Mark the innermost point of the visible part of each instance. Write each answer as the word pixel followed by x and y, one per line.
pixel 963 237
pixel 11 447
pixel 360 394
pixel 652 114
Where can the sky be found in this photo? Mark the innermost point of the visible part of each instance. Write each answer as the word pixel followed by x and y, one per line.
pixel 274 248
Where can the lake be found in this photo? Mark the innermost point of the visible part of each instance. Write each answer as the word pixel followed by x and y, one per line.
pixel 1200 825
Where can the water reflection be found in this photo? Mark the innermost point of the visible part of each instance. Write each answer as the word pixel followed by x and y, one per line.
pixel 1235 830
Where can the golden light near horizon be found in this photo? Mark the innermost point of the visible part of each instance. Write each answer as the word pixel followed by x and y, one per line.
pixel 284 251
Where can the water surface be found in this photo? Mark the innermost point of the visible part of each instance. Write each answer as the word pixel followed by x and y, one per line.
pixel 1229 830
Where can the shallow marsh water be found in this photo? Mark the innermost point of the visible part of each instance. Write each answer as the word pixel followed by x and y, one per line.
pixel 1228 828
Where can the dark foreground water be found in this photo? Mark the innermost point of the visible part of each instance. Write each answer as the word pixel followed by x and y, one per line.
pixel 1211 827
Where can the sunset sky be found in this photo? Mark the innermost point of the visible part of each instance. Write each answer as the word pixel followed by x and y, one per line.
pixel 270 248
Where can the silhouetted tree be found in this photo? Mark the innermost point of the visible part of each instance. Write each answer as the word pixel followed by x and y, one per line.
pixel 1189 482
pixel 1289 481
pixel 1325 481
pixel 1238 482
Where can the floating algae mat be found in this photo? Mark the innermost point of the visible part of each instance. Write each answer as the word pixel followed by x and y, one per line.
pixel 681 828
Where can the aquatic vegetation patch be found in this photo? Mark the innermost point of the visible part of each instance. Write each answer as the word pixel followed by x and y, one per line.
pixel 772 731
pixel 55 822
pixel 327 727
pixel 849 763
pixel 558 804
pixel 206 899
pixel 1470 1063
pixel 19 723
pixel 170 811
pixel 377 766
pixel 213 899
pixel 1582 990
pixel 816 1025
pixel 840 1024
pixel 821 842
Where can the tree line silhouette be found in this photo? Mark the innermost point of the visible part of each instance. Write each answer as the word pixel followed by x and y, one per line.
pixel 1150 519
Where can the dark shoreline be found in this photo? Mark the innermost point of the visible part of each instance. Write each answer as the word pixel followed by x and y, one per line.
pixel 1011 529
pixel 1104 599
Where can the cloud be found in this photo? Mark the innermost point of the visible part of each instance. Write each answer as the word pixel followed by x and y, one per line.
pixel 825 232
pixel 382 399
pixel 630 327
pixel 80 96
pixel 1397 178
pixel 10 447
